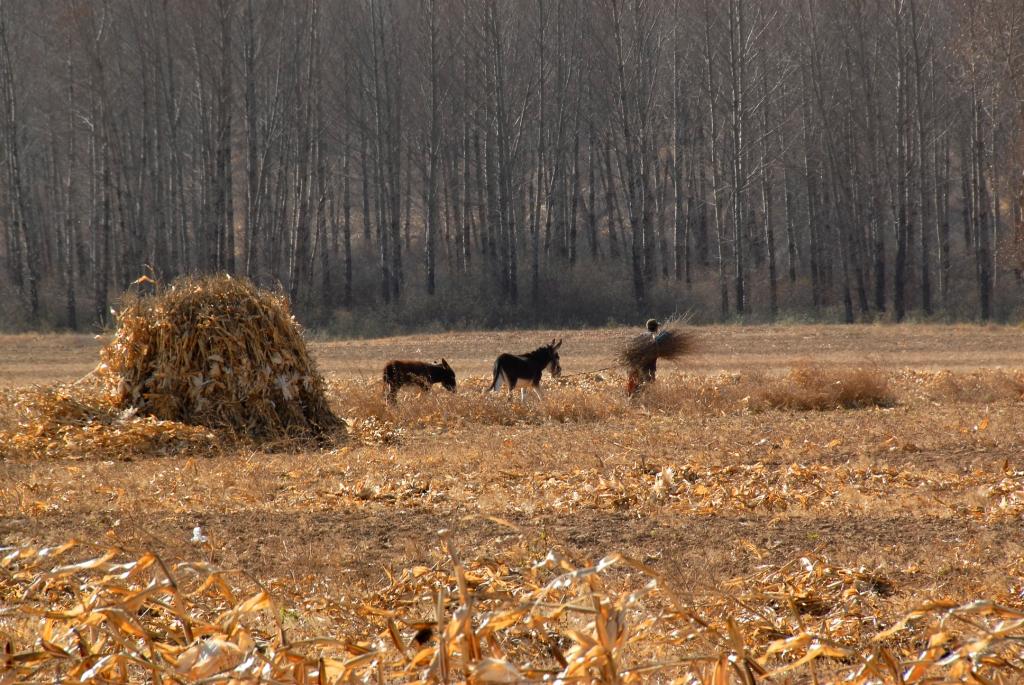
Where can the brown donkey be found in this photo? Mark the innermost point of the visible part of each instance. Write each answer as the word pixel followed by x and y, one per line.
pixel 421 374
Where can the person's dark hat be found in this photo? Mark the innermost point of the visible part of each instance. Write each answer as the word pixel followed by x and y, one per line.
pixel 652 325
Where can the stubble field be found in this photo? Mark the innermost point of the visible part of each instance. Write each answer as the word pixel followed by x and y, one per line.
pixel 804 483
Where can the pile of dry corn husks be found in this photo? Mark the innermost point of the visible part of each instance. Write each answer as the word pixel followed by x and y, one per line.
pixel 113 619
pixel 212 353
pixel 221 353
pixel 78 421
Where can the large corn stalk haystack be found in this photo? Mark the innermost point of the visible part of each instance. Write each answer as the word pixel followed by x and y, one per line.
pixel 217 352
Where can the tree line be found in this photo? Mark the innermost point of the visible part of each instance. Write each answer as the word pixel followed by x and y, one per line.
pixel 416 163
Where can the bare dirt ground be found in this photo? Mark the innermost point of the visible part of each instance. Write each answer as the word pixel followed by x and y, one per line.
pixel 704 479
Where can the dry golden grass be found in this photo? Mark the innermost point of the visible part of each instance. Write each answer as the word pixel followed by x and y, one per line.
pixel 728 525
pixel 810 387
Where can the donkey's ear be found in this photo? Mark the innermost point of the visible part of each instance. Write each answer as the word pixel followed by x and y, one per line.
pixel 556 345
pixel 444 363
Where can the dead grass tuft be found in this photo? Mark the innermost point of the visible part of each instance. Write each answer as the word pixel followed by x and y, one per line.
pixel 973 388
pixel 811 387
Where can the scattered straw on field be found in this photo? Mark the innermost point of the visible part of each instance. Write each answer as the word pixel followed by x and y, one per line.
pixel 75 421
pixel 527 606
pixel 221 353
pixel 117 619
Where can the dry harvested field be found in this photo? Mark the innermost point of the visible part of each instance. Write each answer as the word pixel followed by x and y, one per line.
pixel 783 499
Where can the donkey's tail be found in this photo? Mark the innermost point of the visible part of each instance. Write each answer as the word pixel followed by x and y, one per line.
pixel 390 383
pixel 496 382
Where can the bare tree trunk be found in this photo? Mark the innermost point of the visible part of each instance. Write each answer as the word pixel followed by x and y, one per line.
pixel 791 242
pixel 433 148
pixel 574 202
pixel 844 258
pixel 102 241
pixel 592 197
pixel 381 123
pixel 769 228
pixel 406 194
pixel 737 115
pixel 702 239
pixel 347 222
pixel 967 188
pixel 813 199
pixel 680 213
pixel 942 220
pixel 25 236
pixel 903 241
pixel 467 184
pixel 253 231
pixel 225 193
pixel 483 200
pixel 872 123
pixel 541 182
pixel 70 206
pixel 635 196
pixel 365 174
pixel 982 251
pixel 709 70
pixel 506 233
pixel 997 205
pixel 664 179
pixel 454 183
pixel 925 196
pixel 689 218
pixel 324 230
pixel 611 205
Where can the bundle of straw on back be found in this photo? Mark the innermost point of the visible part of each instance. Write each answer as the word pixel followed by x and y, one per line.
pixel 218 352
pixel 642 350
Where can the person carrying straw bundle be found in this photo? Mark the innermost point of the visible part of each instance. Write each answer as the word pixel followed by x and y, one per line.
pixel 641 353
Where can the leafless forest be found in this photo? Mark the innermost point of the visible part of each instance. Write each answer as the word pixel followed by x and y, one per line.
pixel 400 164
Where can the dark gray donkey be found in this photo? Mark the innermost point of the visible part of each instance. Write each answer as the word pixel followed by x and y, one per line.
pixel 526 369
